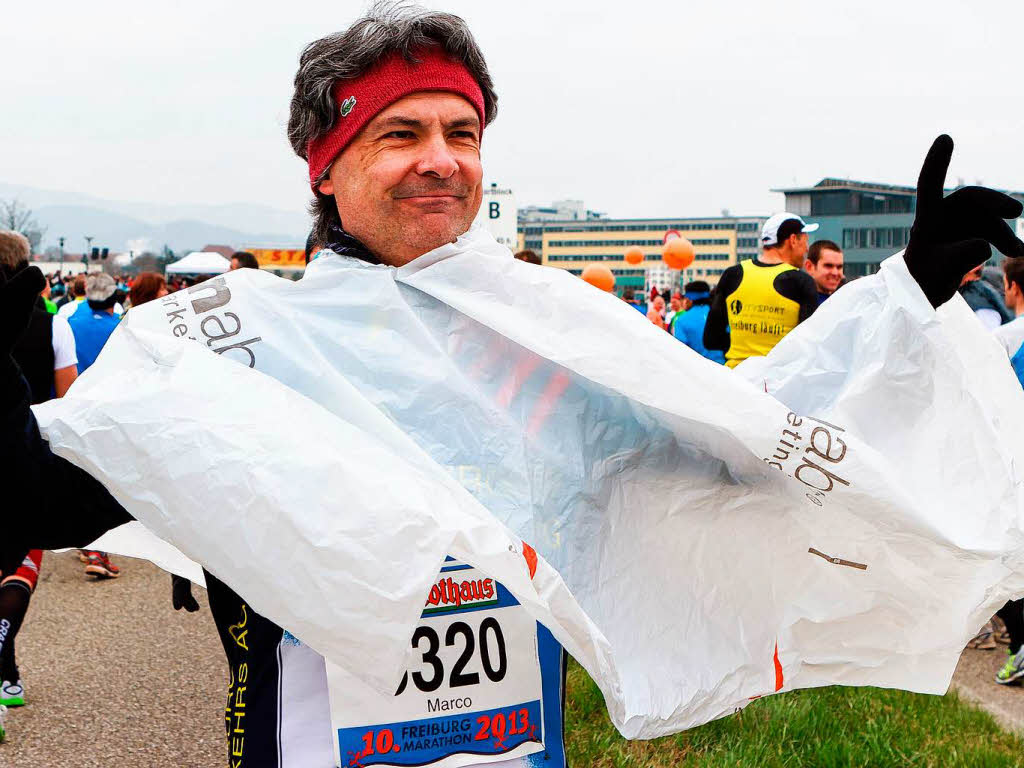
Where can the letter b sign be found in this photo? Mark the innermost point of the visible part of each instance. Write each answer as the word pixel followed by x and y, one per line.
pixel 493 210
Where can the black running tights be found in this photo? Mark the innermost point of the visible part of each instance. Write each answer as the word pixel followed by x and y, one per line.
pixel 14 597
pixel 1012 615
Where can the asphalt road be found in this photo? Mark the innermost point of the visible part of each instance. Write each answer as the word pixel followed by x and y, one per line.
pixel 974 681
pixel 114 676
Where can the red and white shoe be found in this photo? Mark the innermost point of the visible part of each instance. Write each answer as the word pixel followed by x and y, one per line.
pixel 101 567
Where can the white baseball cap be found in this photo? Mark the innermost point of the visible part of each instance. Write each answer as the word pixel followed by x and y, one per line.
pixel 774 227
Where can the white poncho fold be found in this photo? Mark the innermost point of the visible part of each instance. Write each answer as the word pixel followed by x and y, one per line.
pixel 846 510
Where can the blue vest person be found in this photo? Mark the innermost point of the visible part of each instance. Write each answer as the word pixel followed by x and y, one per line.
pixel 94 320
pixel 688 326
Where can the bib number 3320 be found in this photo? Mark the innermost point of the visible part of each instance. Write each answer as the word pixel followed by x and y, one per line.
pixel 473 695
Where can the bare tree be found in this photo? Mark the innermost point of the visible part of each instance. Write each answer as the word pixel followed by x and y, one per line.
pixel 16 216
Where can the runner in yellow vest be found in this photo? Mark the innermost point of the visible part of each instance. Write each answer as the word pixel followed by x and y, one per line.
pixel 758 301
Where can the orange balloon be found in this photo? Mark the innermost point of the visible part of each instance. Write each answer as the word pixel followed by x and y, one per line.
pixel 678 253
pixel 634 254
pixel 599 276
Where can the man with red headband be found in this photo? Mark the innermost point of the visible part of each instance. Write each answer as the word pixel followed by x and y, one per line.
pixel 394 165
pixel 394 155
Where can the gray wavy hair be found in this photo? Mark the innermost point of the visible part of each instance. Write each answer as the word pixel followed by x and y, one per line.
pixel 14 252
pixel 387 28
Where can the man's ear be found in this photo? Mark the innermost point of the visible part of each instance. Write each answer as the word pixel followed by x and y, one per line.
pixel 808 265
pixel 326 187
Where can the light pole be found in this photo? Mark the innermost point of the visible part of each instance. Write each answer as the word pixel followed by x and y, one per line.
pixel 88 251
pixel 61 241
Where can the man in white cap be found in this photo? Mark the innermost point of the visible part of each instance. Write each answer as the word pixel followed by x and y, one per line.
pixel 758 301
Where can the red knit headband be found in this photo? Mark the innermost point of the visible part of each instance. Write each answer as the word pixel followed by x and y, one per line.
pixel 361 99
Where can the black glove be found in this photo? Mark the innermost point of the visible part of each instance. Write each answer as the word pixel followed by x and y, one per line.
pixel 181 594
pixel 17 298
pixel 951 235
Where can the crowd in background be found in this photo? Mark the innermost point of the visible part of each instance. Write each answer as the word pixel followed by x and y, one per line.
pixel 73 318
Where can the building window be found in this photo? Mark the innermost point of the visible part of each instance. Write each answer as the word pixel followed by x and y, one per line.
pixel 876 237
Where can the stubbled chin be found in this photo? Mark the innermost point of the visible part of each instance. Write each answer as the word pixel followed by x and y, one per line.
pixel 433 226
pixel 426 238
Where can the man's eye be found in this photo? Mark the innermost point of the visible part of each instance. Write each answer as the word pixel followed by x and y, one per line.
pixel 463 135
pixel 400 135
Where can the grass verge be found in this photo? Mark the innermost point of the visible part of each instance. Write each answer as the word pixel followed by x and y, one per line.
pixel 819 728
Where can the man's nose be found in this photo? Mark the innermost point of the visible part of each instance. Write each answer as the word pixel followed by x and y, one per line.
pixel 436 159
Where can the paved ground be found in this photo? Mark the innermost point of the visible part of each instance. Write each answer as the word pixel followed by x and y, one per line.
pixel 973 680
pixel 115 676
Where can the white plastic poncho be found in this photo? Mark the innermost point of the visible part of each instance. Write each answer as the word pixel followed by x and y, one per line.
pixel 844 511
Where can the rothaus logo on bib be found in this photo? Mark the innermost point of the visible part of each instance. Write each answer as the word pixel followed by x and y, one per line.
pixel 473 695
pixel 450 594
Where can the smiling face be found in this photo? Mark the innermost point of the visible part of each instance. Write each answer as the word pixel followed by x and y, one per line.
pixel 409 182
pixel 828 272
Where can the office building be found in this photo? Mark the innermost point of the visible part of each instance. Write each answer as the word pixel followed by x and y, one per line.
pixel 719 242
pixel 869 221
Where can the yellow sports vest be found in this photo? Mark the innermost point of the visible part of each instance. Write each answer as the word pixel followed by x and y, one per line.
pixel 759 316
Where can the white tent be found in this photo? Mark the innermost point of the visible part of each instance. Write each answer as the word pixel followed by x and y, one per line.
pixel 200 263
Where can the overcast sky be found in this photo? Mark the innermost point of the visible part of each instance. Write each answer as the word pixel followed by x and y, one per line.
pixel 639 108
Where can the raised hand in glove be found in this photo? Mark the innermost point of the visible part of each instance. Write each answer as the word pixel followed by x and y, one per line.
pixel 17 297
pixel 951 235
pixel 181 594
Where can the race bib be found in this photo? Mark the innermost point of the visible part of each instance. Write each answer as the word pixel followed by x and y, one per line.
pixel 473 696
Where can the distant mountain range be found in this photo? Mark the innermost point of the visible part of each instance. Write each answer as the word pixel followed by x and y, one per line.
pixel 130 225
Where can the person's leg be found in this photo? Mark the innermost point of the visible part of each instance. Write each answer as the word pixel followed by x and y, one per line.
pixel 252 716
pixel 14 599
pixel 15 594
pixel 1012 615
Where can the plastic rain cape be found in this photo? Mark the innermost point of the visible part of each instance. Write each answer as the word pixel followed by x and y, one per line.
pixel 844 511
